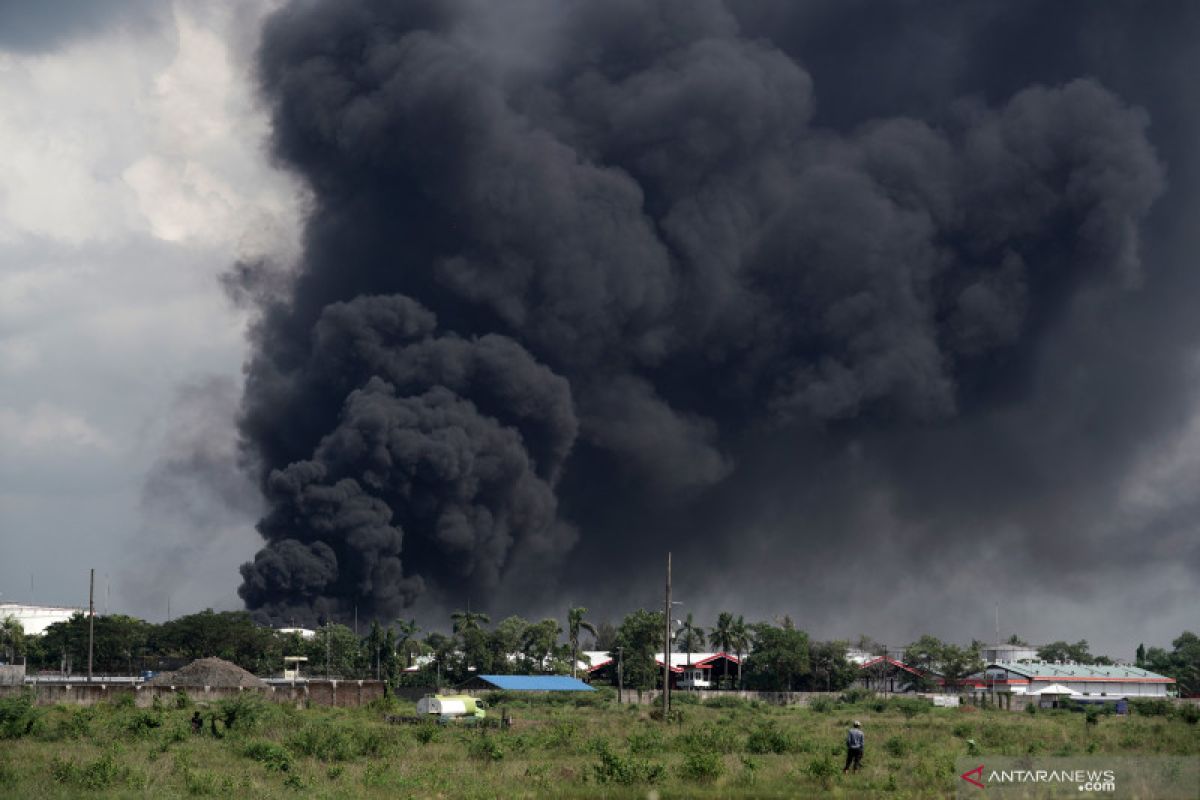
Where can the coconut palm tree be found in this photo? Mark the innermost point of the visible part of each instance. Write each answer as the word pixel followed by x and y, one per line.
pixel 740 640
pixel 721 638
pixel 689 632
pixel 12 637
pixel 575 624
pixel 469 620
pixel 406 634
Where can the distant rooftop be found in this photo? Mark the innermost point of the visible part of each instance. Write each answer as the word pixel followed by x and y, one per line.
pixel 534 683
pixel 1045 670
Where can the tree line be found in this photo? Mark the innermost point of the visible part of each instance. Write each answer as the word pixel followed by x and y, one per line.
pixel 770 656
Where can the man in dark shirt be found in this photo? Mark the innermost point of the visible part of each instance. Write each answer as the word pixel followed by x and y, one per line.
pixel 855 742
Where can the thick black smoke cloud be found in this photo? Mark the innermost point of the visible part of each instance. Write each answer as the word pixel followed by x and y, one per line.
pixel 582 278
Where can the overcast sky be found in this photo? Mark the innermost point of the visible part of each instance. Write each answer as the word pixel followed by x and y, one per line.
pixel 135 173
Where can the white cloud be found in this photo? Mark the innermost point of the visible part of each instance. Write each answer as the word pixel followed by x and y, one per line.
pixel 46 426
pixel 134 175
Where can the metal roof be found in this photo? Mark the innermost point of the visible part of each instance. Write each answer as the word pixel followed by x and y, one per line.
pixel 1042 670
pixel 536 683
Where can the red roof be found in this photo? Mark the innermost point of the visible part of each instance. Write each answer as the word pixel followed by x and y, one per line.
pixel 894 663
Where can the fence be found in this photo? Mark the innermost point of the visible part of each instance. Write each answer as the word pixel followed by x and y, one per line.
pixel 346 694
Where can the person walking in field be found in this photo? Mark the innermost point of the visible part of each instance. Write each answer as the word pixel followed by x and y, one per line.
pixel 855 742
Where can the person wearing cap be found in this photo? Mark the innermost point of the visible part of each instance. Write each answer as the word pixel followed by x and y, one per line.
pixel 855 742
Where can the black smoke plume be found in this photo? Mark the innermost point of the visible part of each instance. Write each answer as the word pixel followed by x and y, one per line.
pixel 581 279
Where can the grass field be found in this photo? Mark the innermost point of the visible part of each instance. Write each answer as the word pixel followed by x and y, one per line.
pixel 566 747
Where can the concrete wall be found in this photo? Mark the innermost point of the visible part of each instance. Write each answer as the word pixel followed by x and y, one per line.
pixel 344 694
pixel 12 674
pixel 650 697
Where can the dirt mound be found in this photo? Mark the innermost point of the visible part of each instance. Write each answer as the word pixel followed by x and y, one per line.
pixel 208 672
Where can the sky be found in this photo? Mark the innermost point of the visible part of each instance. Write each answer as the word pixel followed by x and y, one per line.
pixel 878 319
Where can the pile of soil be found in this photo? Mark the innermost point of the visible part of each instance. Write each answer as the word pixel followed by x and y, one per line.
pixel 208 672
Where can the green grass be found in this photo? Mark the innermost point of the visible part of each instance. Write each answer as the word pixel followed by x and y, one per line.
pixel 556 749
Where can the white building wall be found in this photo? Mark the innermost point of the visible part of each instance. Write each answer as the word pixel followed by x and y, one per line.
pixel 35 619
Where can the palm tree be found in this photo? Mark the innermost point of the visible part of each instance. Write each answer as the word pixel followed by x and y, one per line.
pixel 469 620
pixel 688 633
pixel 12 636
pixel 721 637
pixel 406 632
pixel 740 640
pixel 575 624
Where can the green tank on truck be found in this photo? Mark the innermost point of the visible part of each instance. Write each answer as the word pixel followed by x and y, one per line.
pixel 452 706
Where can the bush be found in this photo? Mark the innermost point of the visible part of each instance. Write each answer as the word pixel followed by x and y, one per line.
pixel 139 723
pixel 856 694
pixel 645 742
pixel 102 773
pixel 485 748
pixel 273 756
pixel 701 766
pixel 707 738
pixel 245 712
pixel 340 741
pixel 766 739
pixel 821 705
pixel 613 768
pixel 18 716
pixel 822 769
pixel 1189 713
pixel 426 732
pixel 731 702
pixel 1151 708
pixel 896 746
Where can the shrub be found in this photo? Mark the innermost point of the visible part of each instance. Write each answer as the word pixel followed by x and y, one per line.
pixel 730 702
pixel 245 712
pixel 896 746
pixel 822 769
pixel 1151 708
pixel 766 738
pixel 272 755
pixel 18 716
pixel 625 771
pixel 139 723
pixel 685 699
pixel 856 694
pixel 821 705
pixel 485 748
pixel 1031 708
pixel 123 700
pixel 707 738
pixel 1189 713
pixel 102 773
pixel 426 733
pixel 701 766
pixel 644 742
pixel 182 701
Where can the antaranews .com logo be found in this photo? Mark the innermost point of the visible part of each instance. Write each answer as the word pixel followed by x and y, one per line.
pixel 1160 777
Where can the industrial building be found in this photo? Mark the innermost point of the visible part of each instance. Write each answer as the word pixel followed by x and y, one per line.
pixel 1091 681
pixel 35 619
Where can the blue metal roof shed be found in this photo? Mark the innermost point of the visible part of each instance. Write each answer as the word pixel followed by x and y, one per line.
pixel 528 683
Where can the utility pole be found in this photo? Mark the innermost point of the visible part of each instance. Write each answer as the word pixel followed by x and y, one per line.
pixel 620 678
pixel 91 620
pixel 667 646
pixel 326 649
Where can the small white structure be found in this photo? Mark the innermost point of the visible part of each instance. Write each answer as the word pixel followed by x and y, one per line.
pixel 291 667
pixel 303 633
pixel 35 619
pixel 695 677
pixel 1008 652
